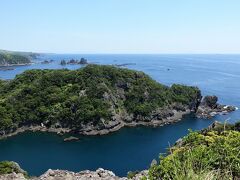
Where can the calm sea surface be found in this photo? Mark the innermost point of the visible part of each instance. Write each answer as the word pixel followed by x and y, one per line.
pixel 130 148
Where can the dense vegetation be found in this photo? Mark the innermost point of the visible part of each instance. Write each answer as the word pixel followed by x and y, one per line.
pixel 13 57
pixel 8 59
pixel 8 167
pixel 92 93
pixel 210 154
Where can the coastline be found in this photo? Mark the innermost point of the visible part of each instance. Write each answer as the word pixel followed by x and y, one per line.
pixel 11 65
pixel 217 131
pixel 159 117
pixel 178 115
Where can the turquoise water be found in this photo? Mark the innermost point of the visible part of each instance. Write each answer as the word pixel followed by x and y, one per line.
pixel 129 148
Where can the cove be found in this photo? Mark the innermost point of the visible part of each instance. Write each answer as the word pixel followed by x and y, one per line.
pixel 126 150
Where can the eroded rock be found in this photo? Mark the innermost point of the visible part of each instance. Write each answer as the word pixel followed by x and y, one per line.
pixel 209 108
pixel 71 138
pixel 99 174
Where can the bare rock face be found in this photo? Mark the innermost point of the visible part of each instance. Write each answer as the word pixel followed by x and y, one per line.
pixel 99 174
pixel 13 176
pixel 209 108
pixel 210 101
pixel 140 175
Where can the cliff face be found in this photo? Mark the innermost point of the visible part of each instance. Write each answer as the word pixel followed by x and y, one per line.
pixel 158 117
pixel 209 108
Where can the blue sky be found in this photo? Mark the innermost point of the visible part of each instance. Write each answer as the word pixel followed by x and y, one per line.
pixel 120 26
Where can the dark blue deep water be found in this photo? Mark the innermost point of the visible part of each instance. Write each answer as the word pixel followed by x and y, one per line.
pixel 129 148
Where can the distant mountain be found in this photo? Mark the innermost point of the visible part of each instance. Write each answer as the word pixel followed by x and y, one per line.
pixel 16 58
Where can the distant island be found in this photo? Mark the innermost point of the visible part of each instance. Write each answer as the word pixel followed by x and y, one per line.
pixel 74 61
pixel 10 58
pixel 96 99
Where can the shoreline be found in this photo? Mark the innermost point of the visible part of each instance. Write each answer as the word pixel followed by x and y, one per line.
pixel 90 130
pixel 12 65
pixel 178 116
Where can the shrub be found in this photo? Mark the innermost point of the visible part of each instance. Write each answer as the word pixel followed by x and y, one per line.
pixel 213 154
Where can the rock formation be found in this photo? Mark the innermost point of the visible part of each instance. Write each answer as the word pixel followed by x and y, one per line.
pixel 209 108
pixel 71 138
pixel 99 174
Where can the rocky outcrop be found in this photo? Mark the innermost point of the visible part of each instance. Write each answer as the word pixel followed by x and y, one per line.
pixel 139 175
pixel 71 138
pixel 206 107
pixel 209 108
pixel 12 171
pixel 47 61
pixel 99 174
pixel 82 61
pixel 13 176
pixel 159 117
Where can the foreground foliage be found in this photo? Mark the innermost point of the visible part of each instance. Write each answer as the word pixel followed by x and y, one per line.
pixel 91 94
pixel 8 167
pixel 209 154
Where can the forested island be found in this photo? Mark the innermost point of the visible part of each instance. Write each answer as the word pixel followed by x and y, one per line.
pixel 9 58
pixel 96 99
pixel 212 153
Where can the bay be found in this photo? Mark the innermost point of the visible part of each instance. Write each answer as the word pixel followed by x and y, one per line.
pixel 128 149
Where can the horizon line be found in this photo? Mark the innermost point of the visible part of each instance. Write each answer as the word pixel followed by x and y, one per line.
pixel 129 53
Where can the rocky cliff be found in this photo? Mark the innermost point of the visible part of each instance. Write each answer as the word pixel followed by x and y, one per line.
pixel 94 100
pixel 99 174
pixel 209 108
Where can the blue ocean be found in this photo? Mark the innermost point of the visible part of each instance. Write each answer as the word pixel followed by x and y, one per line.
pixel 128 149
